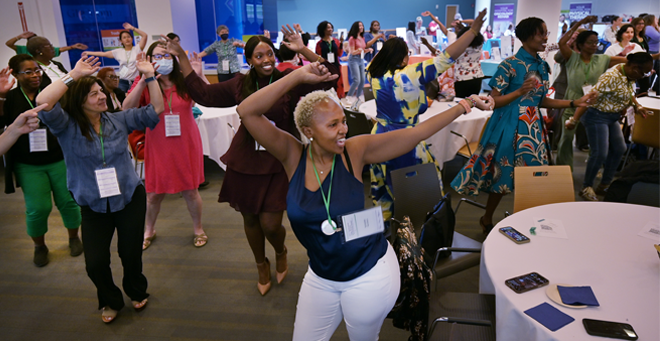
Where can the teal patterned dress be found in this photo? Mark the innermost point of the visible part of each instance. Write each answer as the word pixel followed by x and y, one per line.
pixel 515 134
pixel 400 99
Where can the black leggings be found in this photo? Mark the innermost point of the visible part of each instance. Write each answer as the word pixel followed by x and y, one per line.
pixel 467 88
pixel 97 232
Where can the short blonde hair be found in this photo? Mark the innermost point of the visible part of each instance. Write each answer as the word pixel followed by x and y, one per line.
pixel 304 111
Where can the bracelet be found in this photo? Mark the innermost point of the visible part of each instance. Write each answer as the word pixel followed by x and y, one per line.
pixel 319 59
pixel 473 103
pixel 67 80
pixel 465 105
pixel 476 34
pixel 150 79
pixel 572 103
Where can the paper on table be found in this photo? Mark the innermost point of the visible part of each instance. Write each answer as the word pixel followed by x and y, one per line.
pixel 651 231
pixel 550 228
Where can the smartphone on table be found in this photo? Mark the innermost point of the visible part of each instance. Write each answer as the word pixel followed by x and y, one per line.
pixel 514 235
pixel 614 330
pixel 527 282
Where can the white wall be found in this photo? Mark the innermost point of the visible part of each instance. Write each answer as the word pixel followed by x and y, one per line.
pixel 154 17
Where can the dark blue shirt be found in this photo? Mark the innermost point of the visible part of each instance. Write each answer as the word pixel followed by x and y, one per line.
pixel 83 157
pixel 329 257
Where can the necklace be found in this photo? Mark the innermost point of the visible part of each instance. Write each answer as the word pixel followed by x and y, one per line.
pixel 328 227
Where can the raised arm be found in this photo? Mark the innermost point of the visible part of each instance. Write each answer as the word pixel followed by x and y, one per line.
pixel 566 50
pixel 175 49
pixel 11 43
pixel 78 46
pixel 379 148
pixel 279 143
pixel 52 93
pixel 429 14
pixel 295 43
pixel 6 83
pixel 106 54
pixel 458 47
pixel 196 63
pixel 143 40
pixel 426 43
pixel 375 39
pixel 148 72
pixel 23 124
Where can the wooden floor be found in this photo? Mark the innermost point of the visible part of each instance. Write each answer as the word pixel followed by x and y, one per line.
pixel 196 294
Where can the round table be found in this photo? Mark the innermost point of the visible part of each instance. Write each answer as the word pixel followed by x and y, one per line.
pixel 603 250
pixel 444 144
pixel 215 131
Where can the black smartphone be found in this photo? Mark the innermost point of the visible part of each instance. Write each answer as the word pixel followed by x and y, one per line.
pixel 514 235
pixel 614 330
pixel 527 282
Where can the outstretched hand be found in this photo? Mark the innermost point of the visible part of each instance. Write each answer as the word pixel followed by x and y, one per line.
pixel 144 66
pixel 586 100
pixel 128 26
pixel 293 40
pixel 196 63
pixel 26 35
pixel 479 21
pixel 86 66
pixel 5 83
pixel 80 46
pixel 314 73
pixel 172 47
pixel 427 14
pixel 28 121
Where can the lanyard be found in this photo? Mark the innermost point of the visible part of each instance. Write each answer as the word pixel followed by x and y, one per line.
pixel 332 172
pixel 101 138
pixel 329 45
pixel 169 102
pixel 271 80
pixel 28 99
pixel 51 70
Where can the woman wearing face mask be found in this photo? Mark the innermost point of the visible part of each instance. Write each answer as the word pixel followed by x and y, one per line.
pixel 601 119
pixel 624 46
pixel 374 39
pixel 255 183
pixel 167 172
pixel 228 65
pixel 400 93
pixel 39 169
pixel 515 135
pixel 331 49
pixel 356 47
pixel 111 82
pixel 101 177
pixel 127 56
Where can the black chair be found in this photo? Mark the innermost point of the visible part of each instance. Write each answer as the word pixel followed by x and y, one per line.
pixel 357 122
pixel 368 94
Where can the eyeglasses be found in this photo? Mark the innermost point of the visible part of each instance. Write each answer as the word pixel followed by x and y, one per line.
pixel 29 73
pixel 161 56
pixel 547 34
pixel 113 77
pixel 591 42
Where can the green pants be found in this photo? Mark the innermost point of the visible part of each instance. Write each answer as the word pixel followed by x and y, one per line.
pixel 565 146
pixel 37 183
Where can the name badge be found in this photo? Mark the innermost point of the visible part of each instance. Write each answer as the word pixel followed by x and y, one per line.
pixel 587 88
pixel 630 116
pixel 362 223
pixel 106 180
pixel 331 57
pixel 379 45
pixel 225 65
pixel 362 54
pixel 38 141
pixel 172 125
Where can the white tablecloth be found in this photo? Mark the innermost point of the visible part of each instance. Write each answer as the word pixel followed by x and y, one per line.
pixel 444 144
pixel 603 250
pixel 216 133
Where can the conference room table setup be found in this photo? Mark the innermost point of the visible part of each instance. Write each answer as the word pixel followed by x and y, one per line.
pixel 444 145
pixel 593 260
pixel 217 127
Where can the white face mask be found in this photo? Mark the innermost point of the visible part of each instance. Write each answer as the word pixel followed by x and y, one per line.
pixel 165 66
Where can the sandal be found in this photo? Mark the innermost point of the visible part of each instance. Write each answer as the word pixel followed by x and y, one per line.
pixel 147 242
pixel 485 228
pixel 200 239
pixel 108 315
pixel 139 305
pixel 280 258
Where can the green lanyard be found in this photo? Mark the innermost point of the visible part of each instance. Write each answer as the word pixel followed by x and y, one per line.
pixel 101 138
pixel 332 172
pixel 271 80
pixel 169 102
pixel 26 97
pixel 329 45
pixel 47 67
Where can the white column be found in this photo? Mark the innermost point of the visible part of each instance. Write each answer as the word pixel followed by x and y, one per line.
pixel 480 5
pixel 547 10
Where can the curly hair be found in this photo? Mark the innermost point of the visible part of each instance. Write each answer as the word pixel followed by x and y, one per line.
pixel 304 111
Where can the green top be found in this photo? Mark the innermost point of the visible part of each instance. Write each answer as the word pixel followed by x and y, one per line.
pixel 580 73
pixel 22 49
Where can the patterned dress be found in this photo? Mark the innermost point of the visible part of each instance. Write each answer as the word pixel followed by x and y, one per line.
pixel 514 135
pixel 400 99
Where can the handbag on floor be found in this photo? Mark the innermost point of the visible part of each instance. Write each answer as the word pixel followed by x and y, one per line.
pixel 438 230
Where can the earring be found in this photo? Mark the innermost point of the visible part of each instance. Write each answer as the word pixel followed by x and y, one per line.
pixel 311 139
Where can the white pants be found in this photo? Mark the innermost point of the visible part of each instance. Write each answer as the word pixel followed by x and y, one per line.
pixel 363 302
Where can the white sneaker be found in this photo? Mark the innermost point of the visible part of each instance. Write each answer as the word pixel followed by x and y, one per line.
pixel 588 194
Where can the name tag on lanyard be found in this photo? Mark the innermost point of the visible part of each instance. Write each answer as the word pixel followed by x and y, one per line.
pixel 587 88
pixel 172 125
pixel 379 45
pixel 106 180
pixel 225 65
pixel 362 223
pixel 38 141
pixel 331 57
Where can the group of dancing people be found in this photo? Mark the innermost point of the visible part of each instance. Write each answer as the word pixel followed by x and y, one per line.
pixel 285 155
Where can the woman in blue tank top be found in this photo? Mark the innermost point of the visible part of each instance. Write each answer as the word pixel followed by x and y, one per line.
pixel 358 280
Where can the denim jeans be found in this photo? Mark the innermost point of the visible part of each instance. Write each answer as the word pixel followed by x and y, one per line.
pixel 356 66
pixel 606 144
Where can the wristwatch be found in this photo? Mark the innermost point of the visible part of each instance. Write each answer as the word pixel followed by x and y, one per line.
pixel 150 79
